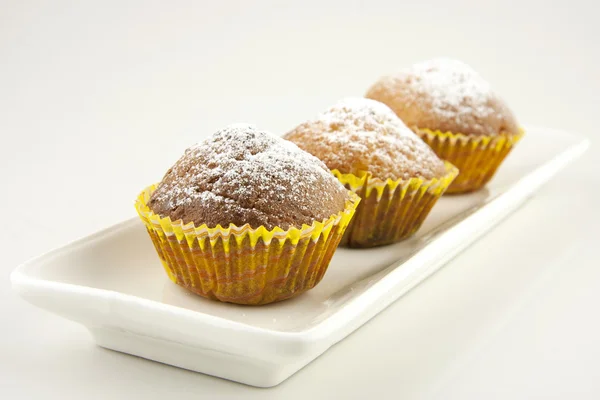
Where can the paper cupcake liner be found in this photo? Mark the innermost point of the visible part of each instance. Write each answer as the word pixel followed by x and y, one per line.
pixel 476 157
pixel 244 265
pixel 390 210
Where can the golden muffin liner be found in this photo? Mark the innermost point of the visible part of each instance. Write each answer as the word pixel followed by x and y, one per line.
pixel 244 265
pixel 390 210
pixel 476 157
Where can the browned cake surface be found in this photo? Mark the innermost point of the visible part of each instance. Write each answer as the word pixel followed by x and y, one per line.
pixel 241 175
pixel 447 95
pixel 360 134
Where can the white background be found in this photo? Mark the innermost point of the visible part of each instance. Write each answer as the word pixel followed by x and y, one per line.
pixel 97 100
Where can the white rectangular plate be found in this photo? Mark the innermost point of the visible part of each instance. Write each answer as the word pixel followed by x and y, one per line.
pixel 113 283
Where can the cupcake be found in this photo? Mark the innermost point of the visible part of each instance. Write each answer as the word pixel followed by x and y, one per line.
pixel 455 111
pixel 370 150
pixel 246 217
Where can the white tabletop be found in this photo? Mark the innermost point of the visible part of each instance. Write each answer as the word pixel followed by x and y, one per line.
pixel 98 101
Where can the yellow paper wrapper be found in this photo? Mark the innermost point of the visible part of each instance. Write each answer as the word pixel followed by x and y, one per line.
pixel 390 210
pixel 244 265
pixel 476 157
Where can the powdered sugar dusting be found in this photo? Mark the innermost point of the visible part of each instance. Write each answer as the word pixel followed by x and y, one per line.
pixel 243 175
pixel 363 117
pixel 454 87
pixel 359 134
pixel 445 94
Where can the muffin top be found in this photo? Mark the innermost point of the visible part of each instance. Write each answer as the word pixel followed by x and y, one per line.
pixel 241 175
pixel 359 134
pixel 446 95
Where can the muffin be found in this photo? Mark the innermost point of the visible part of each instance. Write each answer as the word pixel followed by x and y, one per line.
pixel 246 217
pixel 456 112
pixel 374 154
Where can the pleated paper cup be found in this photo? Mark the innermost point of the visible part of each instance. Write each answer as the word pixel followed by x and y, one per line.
pixel 476 157
pixel 390 210
pixel 244 265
